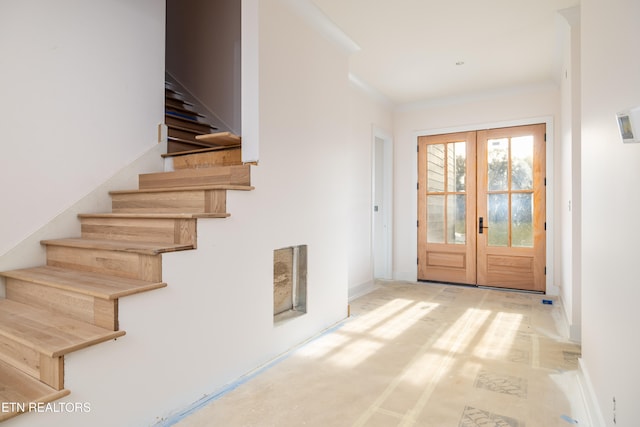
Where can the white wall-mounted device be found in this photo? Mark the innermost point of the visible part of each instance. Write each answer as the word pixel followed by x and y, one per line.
pixel 629 124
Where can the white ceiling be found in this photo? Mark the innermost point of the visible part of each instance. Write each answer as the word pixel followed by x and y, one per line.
pixel 409 48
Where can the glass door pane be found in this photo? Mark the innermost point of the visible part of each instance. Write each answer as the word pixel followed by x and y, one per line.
pixel 446 199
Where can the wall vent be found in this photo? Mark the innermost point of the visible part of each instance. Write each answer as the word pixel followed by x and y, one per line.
pixel 289 282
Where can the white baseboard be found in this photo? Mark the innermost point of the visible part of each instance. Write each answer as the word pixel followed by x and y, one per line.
pixel 589 397
pixel 360 290
pixel 405 276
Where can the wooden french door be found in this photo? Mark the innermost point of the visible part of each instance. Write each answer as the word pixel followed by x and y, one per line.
pixel 446 208
pixel 481 208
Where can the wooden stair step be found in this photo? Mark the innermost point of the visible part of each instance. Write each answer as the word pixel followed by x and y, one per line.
pixel 50 334
pixel 35 340
pixel 181 145
pixel 18 390
pixel 170 102
pixel 157 229
pixel 233 175
pixel 206 158
pixel 199 199
pixel 203 151
pixel 220 138
pixel 156 215
pixel 187 130
pixel 182 109
pixel 191 142
pixel 189 124
pixel 170 93
pixel 191 188
pixel 144 248
pixel 86 283
pixel 133 260
pixel 186 144
pixel 183 113
pixel 85 296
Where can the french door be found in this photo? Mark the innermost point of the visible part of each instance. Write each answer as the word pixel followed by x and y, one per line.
pixel 481 208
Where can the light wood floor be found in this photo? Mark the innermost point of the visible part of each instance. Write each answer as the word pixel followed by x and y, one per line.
pixel 419 355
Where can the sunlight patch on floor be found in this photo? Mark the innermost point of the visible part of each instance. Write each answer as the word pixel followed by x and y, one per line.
pixel 462 332
pixel 378 316
pixel 402 321
pixel 498 339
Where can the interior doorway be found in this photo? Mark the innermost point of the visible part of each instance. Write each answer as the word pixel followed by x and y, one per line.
pixel 481 208
pixel 382 172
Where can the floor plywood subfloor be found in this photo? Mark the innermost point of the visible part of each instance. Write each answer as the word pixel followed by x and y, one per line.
pixel 419 355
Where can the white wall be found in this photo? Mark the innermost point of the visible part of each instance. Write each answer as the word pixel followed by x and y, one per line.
pixel 611 201
pixel 76 106
pixel 203 53
pixel 214 322
pixel 366 114
pixel 473 112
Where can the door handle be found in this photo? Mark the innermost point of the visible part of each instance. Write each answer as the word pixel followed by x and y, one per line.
pixel 481 226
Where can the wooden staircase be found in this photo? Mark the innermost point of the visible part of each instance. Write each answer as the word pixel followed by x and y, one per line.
pixel 72 302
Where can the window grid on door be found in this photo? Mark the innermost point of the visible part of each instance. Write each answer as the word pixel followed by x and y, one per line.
pixel 446 193
pixel 510 193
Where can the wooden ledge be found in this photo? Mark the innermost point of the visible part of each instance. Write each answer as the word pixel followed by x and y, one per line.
pixel 145 248
pixel 51 334
pixel 16 387
pixel 201 150
pixel 195 188
pixel 220 138
pixel 96 285
pixel 155 215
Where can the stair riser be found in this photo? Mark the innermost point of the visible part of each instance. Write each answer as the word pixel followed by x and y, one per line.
pixel 197 127
pixel 184 134
pixel 49 370
pixel 193 201
pixel 182 109
pixel 178 103
pixel 233 175
pixel 97 311
pixel 177 147
pixel 204 160
pixel 140 229
pixel 116 263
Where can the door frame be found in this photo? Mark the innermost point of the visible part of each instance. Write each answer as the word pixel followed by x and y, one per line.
pixel 385 265
pixel 551 288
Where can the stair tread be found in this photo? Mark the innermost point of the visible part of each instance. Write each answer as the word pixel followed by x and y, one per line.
pixel 199 150
pixel 223 174
pixel 93 284
pixel 171 110
pixel 220 138
pixel 194 188
pixel 16 387
pixel 156 215
pixel 51 334
pixel 147 248
pixel 191 142
pixel 187 129
pixel 189 120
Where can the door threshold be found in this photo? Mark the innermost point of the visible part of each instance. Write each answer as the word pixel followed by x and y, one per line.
pixel 495 288
pixel 440 282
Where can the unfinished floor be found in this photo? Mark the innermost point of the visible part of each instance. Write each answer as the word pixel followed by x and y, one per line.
pixel 418 355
